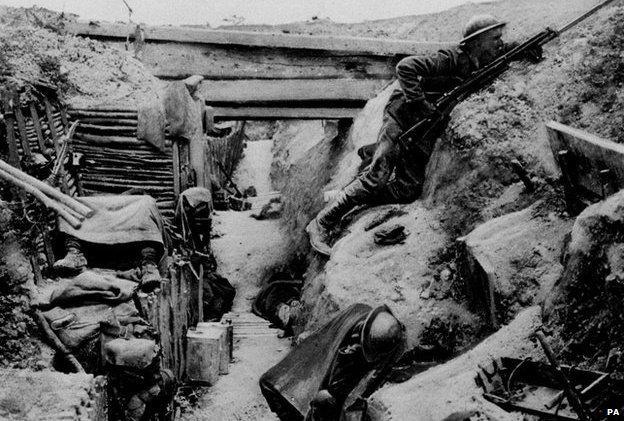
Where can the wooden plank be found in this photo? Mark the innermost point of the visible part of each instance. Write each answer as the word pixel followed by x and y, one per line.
pixel 125 115
pixel 108 185
pixel 302 113
pixel 147 171
pixel 108 129
pixel 109 121
pixel 47 245
pixel 374 46
pixel 21 125
pixel 179 61
pixel 130 182
pixel 587 158
pixel 64 118
pixel 185 165
pixel 108 140
pixel 13 157
pixel 37 126
pixel 272 90
pixel 176 171
pixel 51 124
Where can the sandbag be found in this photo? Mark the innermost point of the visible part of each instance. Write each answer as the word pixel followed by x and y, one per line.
pixel 76 325
pixel 90 287
pixel 151 123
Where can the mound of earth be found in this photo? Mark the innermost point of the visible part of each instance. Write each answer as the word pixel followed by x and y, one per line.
pixel 450 388
pixel 26 395
pixel 585 307
pixel 33 49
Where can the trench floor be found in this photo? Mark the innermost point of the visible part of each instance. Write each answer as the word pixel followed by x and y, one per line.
pixel 246 251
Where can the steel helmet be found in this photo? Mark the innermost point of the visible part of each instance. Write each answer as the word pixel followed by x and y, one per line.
pixel 382 333
pixel 479 24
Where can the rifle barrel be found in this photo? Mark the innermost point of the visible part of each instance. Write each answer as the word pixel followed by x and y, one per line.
pixel 583 16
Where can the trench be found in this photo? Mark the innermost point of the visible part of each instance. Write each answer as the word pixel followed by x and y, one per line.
pixel 247 251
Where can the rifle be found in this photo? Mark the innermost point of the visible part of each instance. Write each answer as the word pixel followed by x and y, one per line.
pixel 426 131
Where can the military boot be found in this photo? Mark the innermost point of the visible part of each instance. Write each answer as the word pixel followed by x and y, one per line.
pixel 319 229
pixel 150 276
pixel 74 261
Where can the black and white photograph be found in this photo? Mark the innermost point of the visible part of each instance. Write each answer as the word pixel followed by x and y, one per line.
pixel 311 210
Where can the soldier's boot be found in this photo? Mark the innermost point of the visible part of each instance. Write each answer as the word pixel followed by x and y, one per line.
pixel 319 229
pixel 150 276
pixel 74 261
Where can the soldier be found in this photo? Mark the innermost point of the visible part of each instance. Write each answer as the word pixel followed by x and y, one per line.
pixel 126 231
pixel 422 80
pixel 313 381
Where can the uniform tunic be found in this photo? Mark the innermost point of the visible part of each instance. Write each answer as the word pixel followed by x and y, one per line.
pixel 390 177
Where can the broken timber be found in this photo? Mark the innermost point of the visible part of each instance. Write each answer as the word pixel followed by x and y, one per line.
pixel 252 75
pixel 592 168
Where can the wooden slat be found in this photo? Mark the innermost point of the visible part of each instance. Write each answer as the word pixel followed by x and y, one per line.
pixel 303 113
pixel 108 140
pixel 109 121
pixel 125 115
pixel 12 145
pixel 112 130
pixel 51 124
pixel 271 90
pixel 176 170
pixel 587 155
pixel 145 171
pixel 21 124
pixel 119 180
pixel 110 186
pixel 373 46
pixel 104 109
pixel 37 127
pixel 64 118
pixel 185 165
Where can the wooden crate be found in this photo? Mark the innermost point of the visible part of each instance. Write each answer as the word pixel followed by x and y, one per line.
pixel 592 168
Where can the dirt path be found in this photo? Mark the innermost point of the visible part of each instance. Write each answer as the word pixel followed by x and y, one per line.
pixel 246 252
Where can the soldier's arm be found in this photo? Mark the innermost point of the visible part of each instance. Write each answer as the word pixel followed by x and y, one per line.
pixel 412 69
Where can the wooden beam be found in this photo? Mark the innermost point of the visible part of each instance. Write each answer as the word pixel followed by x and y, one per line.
pixel 171 60
pixel 275 90
pixel 279 113
pixel 372 46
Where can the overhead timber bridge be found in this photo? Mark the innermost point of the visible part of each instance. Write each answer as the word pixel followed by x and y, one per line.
pixel 254 75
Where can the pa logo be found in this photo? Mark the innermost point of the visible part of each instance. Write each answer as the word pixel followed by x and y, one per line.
pixel 612 412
